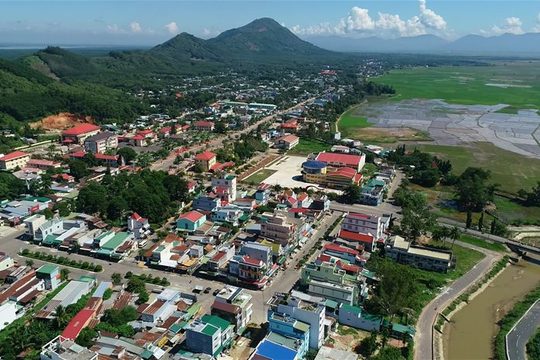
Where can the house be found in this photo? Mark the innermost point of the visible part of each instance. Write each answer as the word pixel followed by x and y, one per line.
pixel 78 323
pixel 78 134
pixel 190 221
pixel 235 306
pixel 343 252
pixel 56 230
pixel 118 246
pixel 33 223
pixel 288 142
pixel 204 126
pixel 263 194
pixel 250 271
pixel 372 194
pixel 270 350
pixel 401 251
pixel 191 187
pixel 207 338
pixel 355 317
pixel 43 164
pixel 138 225
pixel 258 252
pixel 70 294
pixel 307 309
pixel 207 203
pixel 288 328
pixel 50 275
pixel 366 224
pixel 101 142
pixel 13 160
pixel 357 239
pixel 9 312
pixel 61 348
pixel 161 308
pixel 229 214
pixel 228 184
pixel 221 258
pixel 247 205
pixel 276 226
pixel 206 160
pixel 355 162
pixel 6 261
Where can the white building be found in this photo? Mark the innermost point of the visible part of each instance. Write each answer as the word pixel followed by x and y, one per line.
pixel 8 314
pixel 230 214
pixel 401 251
pixel 61 348
pixel 366 224
pixel 227 184
pixel 138 225
pixel 33 223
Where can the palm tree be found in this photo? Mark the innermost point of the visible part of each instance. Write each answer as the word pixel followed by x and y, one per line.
pixel 64 274
pixel 440 234
pixel 62 317
pixel 30 263
pixel 455 234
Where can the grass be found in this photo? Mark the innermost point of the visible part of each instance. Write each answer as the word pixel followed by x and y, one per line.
pixel 349 120
pixel 308 146
pixel 493 246
pixel 512 211
pixel 508 110
pixel 346 330
pixel 260 176
pixel 513 171
pixel 467 84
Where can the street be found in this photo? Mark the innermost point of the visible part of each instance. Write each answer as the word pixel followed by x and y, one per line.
pixel 523 330
pixel 283 281
pixel 424 328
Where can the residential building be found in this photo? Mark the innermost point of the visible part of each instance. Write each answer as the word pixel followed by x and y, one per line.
pixel 229 214
pixel 401 251
pixel 270 350
pixel 78 134
pixel 290 328
pixel 249 271
pixel 356 240
pixel 204 126
pixel 70 294
pixel 43 164
pixel 6 261
pixel 9 312
pixel 327 280
pixel 228 183
pixel 263 194
pixel 320 203
pixel 350 255
pixel 226 329
pixel 101 142
pixel 205 338
pixel 13 160
pixel 309 310
pixel 235 306
pixel 355 162
pixel 245 204
pixel 288 142
pixel 276 226
pixel 61 348
pixel 190 221
pixel 206 160
pixel 33 223
pixel 138 225
pixel 221 258
pixel 118 246
pixel 208 203
pixel 50 274
pixel 258 252
pixel 372 195
pixel 78 323
pixel 366 224
pixel 161 308
pixel 356 317
pixel 56 230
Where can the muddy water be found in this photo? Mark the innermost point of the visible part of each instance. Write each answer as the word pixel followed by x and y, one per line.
pixel 470 334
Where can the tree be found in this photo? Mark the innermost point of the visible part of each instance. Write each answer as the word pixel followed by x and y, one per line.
pixel 63 208
pixel 473 191
pixel 62 317
pixel 86 337
pixel 127 154
pixel 117 207
pixel 418 218
pixel 143 297
pixel 368 345
pixel 30 263
pixel 136 285
pixel 78 169
pixel 454 234
pixel 48 213
pixel 64 274
pixel 426 178
pixel 440 234
pixel 116 278
pixel 351 194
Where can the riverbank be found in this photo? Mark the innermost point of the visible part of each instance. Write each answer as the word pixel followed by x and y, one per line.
pixel 460 302
pixel 471 332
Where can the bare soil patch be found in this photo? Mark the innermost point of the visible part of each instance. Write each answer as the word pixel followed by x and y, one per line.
pixel 389 135
pixel 61 121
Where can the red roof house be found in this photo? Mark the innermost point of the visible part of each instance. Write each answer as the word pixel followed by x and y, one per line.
pixel 355 162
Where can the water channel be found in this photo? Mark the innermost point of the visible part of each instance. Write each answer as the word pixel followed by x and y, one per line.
pixel 470 334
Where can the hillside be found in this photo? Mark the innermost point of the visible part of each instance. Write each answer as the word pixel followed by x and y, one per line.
pixel 28 95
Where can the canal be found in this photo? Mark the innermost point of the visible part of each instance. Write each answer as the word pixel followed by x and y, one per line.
pixel 470 334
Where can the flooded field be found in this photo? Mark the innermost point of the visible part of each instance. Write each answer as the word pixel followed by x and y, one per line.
pixel 470 334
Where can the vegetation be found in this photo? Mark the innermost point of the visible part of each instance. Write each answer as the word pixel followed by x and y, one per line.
pixel 533 346
pixel 153 194
pixel 260 176
pixel 61 260
pixel 10 186
pixel 467 84
pixel 513 316
pixel 493 246
pixel 307 146
pixel 473 192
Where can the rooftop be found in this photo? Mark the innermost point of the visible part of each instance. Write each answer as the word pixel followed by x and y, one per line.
pixel 346 159
pixel 80 129
pixel 207 155
pixel 13 155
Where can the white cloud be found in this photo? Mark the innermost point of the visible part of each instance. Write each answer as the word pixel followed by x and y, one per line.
pixel 359 22
pixel 135 27
pixel 429 18
pixel 172 28
pixel 536 29
pixel 115 29
pixel 512 25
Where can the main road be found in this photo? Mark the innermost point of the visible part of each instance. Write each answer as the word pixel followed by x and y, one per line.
pixel 218 141
pixel 523 330
pixel 424 328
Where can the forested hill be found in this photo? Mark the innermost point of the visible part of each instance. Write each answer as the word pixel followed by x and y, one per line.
pixel 27 94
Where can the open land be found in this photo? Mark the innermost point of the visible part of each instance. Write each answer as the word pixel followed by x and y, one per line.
pixel 308 146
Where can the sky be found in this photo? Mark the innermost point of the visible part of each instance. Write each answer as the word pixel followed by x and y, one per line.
pixel 124 22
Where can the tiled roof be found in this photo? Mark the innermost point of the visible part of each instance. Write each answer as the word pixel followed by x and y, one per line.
pixel 204 123
pixel 13 155
pixel 207 155
pixel 80 129
pixel 349 235
pixel 339 158
pixel 289 138
pixel 192 216
pixel 335 247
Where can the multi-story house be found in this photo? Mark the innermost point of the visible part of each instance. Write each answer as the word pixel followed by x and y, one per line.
pixel 78 134
pixel 13 160
pixel 401 251
pixel 204 126
pixel 190 221
pixel 229 214
pixel 61 348
pixel 228 184
pixel 100 143
pixel 276 226
pixel 366 224
pixel 309 310
pixel 258 252
pixel 206 160
pixel 207 203
pixel 235 306
pixel 290 328
pixel 138 225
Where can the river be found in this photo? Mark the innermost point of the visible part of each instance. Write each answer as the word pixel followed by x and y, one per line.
pixel 469 336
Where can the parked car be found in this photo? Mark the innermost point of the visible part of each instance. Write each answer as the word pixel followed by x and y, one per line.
pixel 207 290
pixel 215 292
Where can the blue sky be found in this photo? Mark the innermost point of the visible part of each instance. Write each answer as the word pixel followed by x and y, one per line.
pixel 125 22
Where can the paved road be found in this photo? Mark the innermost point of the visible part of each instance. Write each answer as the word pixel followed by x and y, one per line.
pixel 218 141
pixel 424 328
pixel 517 338
pixel 283 281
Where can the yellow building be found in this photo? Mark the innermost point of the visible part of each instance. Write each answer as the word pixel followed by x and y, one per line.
pixel 14 160
pixel 206 160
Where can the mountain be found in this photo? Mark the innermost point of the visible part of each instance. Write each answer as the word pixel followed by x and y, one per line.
pixel 422 43
pixel 506 44
pixel 261 39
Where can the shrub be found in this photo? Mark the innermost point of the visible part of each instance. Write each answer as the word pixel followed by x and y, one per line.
pixel 98 268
